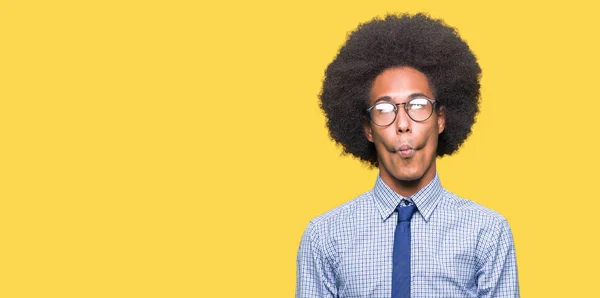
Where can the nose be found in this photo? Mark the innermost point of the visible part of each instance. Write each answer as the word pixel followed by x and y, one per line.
pixel 403 122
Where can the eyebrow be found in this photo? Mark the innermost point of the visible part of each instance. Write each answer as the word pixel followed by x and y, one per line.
pixel 412 96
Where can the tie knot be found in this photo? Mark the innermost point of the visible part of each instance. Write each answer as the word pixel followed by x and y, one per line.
pixel 405 213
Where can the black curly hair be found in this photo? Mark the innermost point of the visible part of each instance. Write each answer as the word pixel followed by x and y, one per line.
pixel 417 41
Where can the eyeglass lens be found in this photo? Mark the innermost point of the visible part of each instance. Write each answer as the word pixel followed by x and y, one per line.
pixel 418 109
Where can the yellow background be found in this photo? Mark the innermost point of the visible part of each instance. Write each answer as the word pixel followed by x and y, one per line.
pixel 176 148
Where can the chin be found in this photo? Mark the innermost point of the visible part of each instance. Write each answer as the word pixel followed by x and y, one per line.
pixel 408 174
pixel 403 172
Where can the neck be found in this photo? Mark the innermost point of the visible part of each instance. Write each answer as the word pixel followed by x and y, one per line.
pixel 407 188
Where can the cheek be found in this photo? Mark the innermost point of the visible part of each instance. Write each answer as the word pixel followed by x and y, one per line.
pixel 384 139
pixel 431 145
pixel 432 137
pixel 426 136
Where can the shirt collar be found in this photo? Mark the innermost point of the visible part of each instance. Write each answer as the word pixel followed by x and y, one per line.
pixel 426 199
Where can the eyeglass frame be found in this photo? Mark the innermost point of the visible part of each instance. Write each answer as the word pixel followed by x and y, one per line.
pixel 432 101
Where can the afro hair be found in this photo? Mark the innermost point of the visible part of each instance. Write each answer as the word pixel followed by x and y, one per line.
pixel 417 41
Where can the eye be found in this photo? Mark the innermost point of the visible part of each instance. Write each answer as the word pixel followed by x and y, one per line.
pixel 418 103
pixel 384 108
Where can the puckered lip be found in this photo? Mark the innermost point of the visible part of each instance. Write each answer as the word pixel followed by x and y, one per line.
pixel 404 148
pixel 405 151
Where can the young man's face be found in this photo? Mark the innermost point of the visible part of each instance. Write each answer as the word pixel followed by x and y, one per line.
pixel 406 149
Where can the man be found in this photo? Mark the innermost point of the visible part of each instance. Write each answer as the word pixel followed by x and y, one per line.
pixel 401 91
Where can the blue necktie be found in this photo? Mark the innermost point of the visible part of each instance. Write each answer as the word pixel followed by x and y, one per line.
pixel 401 269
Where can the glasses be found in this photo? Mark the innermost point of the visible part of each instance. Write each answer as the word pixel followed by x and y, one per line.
pixel 385 113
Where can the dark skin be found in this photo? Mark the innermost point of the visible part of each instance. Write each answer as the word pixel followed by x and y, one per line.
pixel 406 149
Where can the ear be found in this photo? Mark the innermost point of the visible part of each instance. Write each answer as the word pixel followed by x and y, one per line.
pixel 441 120
pixel 368 131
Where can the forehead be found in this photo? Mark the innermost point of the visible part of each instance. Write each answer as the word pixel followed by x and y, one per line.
pixel 399 83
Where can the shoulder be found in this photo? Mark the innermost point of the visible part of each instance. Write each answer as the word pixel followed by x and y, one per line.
pixel 463 207
pixel 480 222
pixel 488 226
pixel 341 215
pixel 335 228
